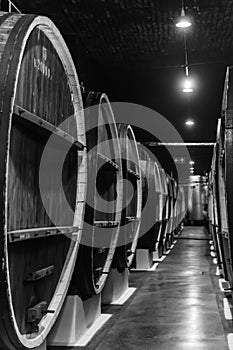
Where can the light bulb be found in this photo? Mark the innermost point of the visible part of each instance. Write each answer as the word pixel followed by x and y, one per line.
pixel 188 86
pixel 183 21
pixel 189 122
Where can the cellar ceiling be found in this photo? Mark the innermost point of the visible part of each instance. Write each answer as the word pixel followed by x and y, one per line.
pixel 133 51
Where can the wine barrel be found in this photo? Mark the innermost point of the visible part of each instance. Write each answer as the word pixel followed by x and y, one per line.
pixel 165 212
pixel 181 207
pixel 152 201
pixel 176 210
pixel 224 183
pixel 179 210
pixel 213 209
pixel 132 199
pixel 167 232
pixel 104 198
pixel 220 214
pixel 172 194
pixel 177 207
pixel 39 89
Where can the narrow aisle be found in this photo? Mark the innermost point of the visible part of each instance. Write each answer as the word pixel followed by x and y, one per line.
pixel 174 308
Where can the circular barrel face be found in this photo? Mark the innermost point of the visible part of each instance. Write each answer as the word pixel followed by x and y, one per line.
pixel 42 181
pixel 152 196
pixel 104 198
pixel 132 198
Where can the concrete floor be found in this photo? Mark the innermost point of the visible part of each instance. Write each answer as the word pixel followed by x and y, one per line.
pixel 176 307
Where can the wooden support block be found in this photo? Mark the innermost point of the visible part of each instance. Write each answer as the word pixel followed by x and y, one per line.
pixel 75 319
pixel 116 285
pixel 156 255
pixel 144 259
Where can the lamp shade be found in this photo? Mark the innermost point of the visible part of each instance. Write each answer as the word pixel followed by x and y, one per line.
pixel 183 21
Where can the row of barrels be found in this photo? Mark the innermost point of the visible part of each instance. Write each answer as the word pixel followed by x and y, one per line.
pixel 77 192
pixel 220 202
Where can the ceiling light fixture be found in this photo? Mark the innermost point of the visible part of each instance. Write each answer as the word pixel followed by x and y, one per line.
pixel 183 21
pixel 189 122
pixel 188 86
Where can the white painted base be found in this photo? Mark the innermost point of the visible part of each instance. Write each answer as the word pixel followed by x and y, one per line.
pixel 152 268
pixel 91 331
pixel 227 309
pixel 124 297
pixel 223 285
pixel 219 271
pixel 116 285
pixel 75 319
pixel 155 255
pixel 43 346
pixel 144 259
pixel 230 341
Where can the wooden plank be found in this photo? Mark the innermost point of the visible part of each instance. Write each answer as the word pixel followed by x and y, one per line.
pixel 134 173
pixel 106 223
pixel 26 234
pixel 47 126
pixel 110 162
pixel 178 144
pixel 131 218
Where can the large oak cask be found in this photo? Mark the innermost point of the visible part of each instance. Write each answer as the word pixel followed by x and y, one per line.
pixel 41 214
pixel 223 182
pixel 132 198
pixel 172 195
pixel 213 209
pixel 152 201
pixel 104 198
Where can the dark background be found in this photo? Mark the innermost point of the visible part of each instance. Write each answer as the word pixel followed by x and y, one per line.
pixel 131 50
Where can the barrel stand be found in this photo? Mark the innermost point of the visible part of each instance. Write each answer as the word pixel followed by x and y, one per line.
pixel 117 284
pixel 144 259
pixel 75 320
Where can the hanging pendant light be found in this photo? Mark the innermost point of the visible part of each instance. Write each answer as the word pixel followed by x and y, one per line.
pixel 189 122
pixel 188 86
pixel 188 83
pixel 183 21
